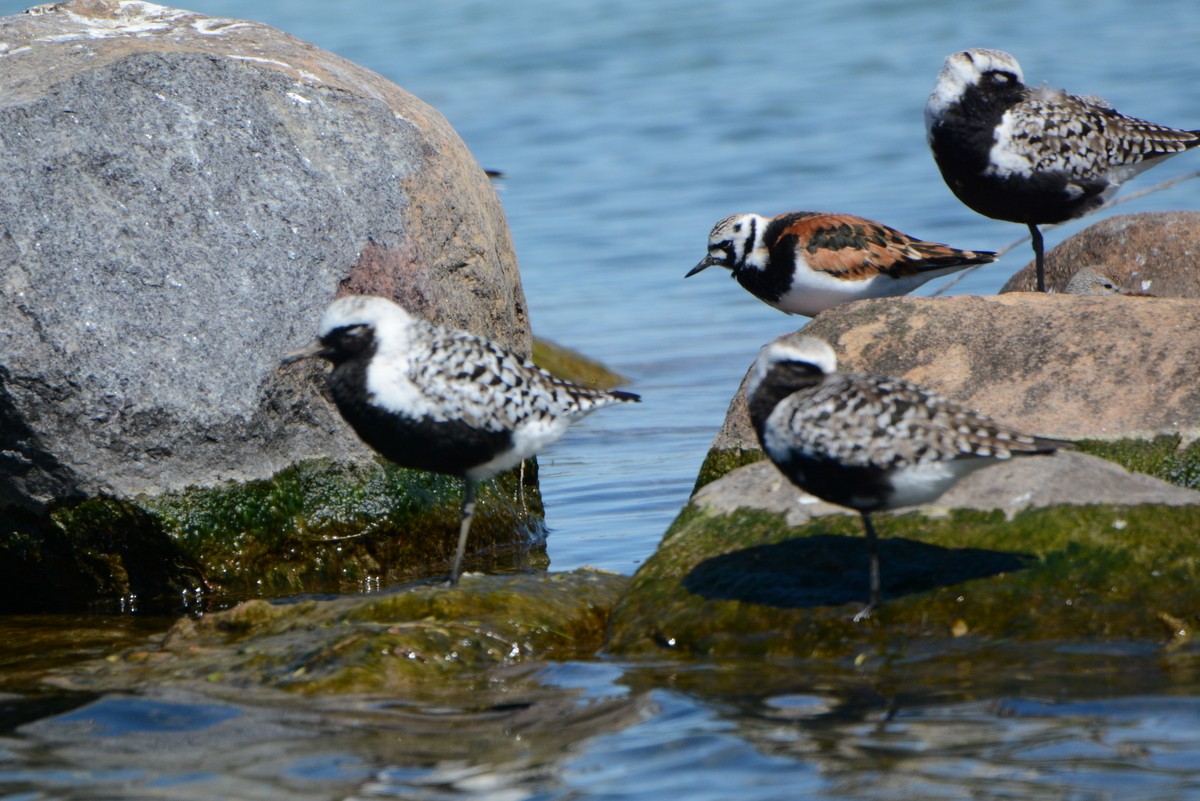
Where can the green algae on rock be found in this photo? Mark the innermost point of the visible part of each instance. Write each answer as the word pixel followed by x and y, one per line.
pixel 574 366
pixel 748 584
pixel 719 461
pixel 420 639
pixel 91 550
pixel 1165 457
pixel 324 526
pixel 320 526
pixel 1064 546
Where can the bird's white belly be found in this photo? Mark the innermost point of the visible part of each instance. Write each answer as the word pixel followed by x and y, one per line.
pixel 813 292
pixel 925 483
pixel 528 439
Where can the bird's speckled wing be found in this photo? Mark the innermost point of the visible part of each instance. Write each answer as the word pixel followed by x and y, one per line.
pixel 867 421
pixel 1083 137
pixel 493 388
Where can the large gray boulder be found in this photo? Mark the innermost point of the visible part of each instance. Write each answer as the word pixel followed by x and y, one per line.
pixel 183 196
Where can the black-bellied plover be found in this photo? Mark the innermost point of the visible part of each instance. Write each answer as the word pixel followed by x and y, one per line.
pixel 438 399
pixel 807 261
pixel 1101 280
pixel 866 442
pixel 1034 156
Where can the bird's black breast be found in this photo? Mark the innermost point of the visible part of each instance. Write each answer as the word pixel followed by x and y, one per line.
pixel 1041 198
pixel 865 489
pixel 774 282
pixel 442 446
pixel 962 142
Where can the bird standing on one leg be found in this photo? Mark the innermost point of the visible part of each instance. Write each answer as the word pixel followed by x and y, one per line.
pixel 1034 156
pixel 804 262
pixel 442 400
pixel 867 442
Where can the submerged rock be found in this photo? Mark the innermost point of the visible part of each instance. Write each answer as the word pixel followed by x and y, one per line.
pixel 184 196
pixel 1050 547
pixel 400 642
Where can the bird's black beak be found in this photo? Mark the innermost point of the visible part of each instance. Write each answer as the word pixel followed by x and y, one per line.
pixel 706 262
pixel 311 350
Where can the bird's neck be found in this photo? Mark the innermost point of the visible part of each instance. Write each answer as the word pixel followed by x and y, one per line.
pixel 780 381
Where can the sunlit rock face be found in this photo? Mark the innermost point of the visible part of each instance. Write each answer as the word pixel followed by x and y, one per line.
pixel 1152 253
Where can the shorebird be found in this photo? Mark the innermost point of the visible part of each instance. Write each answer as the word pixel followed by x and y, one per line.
pixel 1100 280
pixel 804 262
pixel 442 400
pixel 867 442
pixel 1034 156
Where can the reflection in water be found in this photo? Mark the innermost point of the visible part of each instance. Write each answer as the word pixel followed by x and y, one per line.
pixel 983 722
pixel 511 731
pixel 937 728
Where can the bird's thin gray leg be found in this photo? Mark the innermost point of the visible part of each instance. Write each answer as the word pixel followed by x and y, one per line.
pixel 468 511
pixel 1039 256
pixel 873 554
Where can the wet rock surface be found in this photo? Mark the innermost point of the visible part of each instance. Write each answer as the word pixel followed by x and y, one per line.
pixel 426 638
pixel 1064 547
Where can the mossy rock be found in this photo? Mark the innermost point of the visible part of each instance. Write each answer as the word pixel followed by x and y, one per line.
pixel 424 640
pixel 718 462
pixel 1165 457
pixel 574 366
pixel 84 552
pixel 747 584
pixel 316 527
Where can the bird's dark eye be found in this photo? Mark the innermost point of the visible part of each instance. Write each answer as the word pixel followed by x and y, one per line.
pixel 737 228
pixel 349 337
pixel 348 332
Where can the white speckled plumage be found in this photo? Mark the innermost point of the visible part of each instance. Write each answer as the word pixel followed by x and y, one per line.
pixel 421 370
pixel 868 442
pixel 440 399
pixel 1034 155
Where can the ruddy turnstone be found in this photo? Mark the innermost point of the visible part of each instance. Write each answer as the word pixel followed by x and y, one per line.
pixel 804 262
pixel 867 442
pixel 438 399
pixel 1034 156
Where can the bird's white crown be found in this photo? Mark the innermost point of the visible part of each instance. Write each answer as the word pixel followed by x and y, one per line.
pixel 965 69
pixel 728 239
pixel 351 310
pixel 803 350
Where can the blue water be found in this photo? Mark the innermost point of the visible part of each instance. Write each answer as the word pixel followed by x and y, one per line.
pixel 625 129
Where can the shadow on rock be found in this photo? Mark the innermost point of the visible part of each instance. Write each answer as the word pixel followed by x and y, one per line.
pixel 830 570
